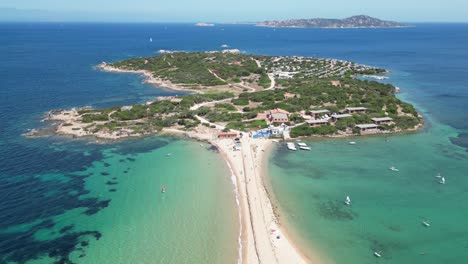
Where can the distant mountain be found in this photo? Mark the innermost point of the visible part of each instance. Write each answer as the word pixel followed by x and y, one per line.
pixel 360 21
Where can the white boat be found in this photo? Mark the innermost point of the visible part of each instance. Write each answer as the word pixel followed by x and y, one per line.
pixel 304 148
pixel 438 175
pixel 426 223
pixel 224 46
pixel 442 180
pixel 393 168
pixel 291 146
pixel 275 140
pixel 352 143
pixel 347 200
pixel 302 144
pixel 378 254
pixel 163 188
pixel 151 39
pixel 168 154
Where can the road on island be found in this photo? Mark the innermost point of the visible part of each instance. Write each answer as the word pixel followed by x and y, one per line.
pixel 197 106
pixel 272 80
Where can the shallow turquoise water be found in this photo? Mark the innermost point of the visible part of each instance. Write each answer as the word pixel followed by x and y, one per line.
pixel 387 207
pixel 194 221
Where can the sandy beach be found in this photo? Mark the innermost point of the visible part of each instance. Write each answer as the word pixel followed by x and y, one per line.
pixel 263 239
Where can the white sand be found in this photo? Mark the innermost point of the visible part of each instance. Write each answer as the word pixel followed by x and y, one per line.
pixel 260 242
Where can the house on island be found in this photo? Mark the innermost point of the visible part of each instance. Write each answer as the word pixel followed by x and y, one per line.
pixel 382 120
pixel 289 95
pixel 355 110
pixel 337 117
pixel 175 100
pixel 368 129
pixel 126 108
pixel 277 116
pixel 318 113
pixel 318 122
pixel 335 83
pixel 222 135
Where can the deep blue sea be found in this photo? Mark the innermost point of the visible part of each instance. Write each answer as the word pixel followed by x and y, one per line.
pixel 46 66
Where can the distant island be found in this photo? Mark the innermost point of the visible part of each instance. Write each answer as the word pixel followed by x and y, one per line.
pixel 203 24
pixel 261 95
pixel 361 21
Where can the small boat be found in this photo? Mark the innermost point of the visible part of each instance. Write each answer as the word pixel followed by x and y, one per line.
pixel 224 46
pixel 302 144
pixel 438 175
pixel 347 200
pixel 393 168
pixel 426 223
pixel 291 146
pixel 442 180
pixel 275 140
pixel 352 143
pixel 151 39
pixel 378 254
pixel 168 154
pixel 163 188
pixel 304 148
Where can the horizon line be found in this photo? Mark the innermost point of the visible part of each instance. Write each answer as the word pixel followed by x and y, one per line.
pixel 188 22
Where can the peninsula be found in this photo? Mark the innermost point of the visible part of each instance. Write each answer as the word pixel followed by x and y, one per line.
pixel 238 102
pixel 361 21
pixel 261 95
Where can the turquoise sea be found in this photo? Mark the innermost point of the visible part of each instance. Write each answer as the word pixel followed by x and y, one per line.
pixel 387 207
pixel 73 201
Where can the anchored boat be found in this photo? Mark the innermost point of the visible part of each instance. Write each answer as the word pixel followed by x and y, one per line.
pixel 426 223
pixel 347 200
pixel 442 180
pixel 303 146
pixel 291 146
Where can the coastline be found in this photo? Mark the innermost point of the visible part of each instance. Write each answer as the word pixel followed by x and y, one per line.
pixel 307 250
pixel 149 78
pixel 263 238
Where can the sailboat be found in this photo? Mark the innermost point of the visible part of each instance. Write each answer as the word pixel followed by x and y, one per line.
pixel 347 200
pixel 442 180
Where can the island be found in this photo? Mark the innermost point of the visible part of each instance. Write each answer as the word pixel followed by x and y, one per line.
pixel 203 24
pixel 360 21
pixel 265 96
pixel 238 102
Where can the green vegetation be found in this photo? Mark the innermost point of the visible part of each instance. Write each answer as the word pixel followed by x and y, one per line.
pixel 306 130
pixel 264 80
pixel 316 84
pixel 195 67
pixel 406 122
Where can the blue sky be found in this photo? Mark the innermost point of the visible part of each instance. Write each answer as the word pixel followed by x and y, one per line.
pixel 229 11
